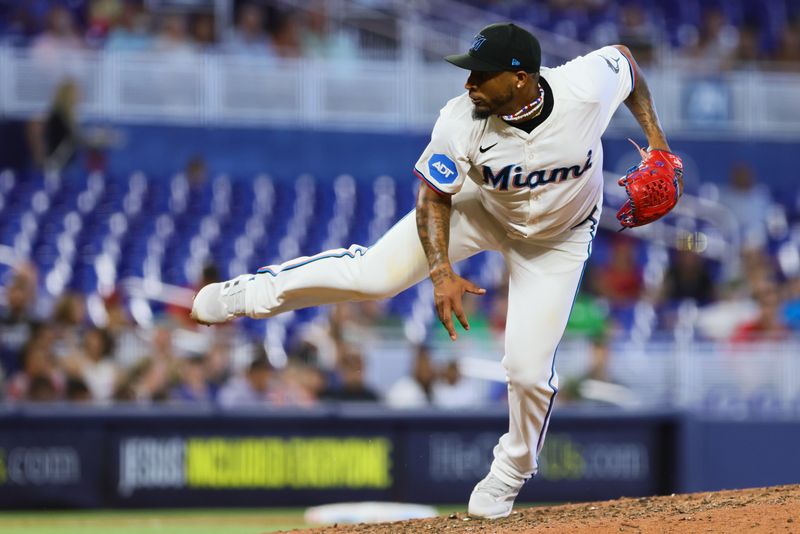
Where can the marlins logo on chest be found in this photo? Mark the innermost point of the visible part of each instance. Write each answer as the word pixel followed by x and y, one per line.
pixel 518 178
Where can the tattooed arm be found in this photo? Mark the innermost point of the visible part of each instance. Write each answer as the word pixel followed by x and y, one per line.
pixel 433 227
pixel 641 105
pixel 644 110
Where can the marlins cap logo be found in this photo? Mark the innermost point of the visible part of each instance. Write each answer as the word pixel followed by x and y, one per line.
pixel 477 42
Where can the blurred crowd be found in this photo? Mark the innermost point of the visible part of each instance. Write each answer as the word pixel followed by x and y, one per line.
pixel 64 353
pixel 715 34
pixel 258 29
pixel 712 34
pixel 752 293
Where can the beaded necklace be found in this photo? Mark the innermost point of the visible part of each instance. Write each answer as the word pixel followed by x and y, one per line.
pixel 529 111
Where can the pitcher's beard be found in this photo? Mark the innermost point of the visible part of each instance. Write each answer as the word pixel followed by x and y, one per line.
pixel 499 103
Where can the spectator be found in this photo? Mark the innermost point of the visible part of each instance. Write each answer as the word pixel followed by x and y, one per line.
pixel 748 49
pixel 217 365
pixel 791 309
pixel 350 374
pixel 77 391
pixel 788 50
pixel 254 388
pixel 498 308
pixel 589 317
pixel 153 378
pixel 286 36
pixel 38 366
pixel 769 325
pixel 128 389
pixel 317 40
pixel 347 322
pixel 60 36
pixel 717 40
pixel 17 322
pixel 757 270
pixel 93 364
pixel 414 391
pixel 452 391
pixel 120 327
pixel 196 171
pixel 249 37
pixel 193 387
pixel 118 319
pixel 131 30
pixel 203 31
pixel 298 385
pixel 312 380
pixel 41 389
pixel 720 319
pixel 637 32
pixel 54 141
pixel 620 281
pixel 173 37
pixel 749 202
pixel 304 352
pixel 596 385
pixel 688 277
pixel 317 342
pixel 69 318
pixel 103 15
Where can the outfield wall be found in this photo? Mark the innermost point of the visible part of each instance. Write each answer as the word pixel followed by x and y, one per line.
pixel 135 457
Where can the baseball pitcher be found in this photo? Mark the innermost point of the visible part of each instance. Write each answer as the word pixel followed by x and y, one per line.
pixel 514 165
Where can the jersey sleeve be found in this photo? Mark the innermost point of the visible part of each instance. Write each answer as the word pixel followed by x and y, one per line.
pixel 605 76
pixel 444 164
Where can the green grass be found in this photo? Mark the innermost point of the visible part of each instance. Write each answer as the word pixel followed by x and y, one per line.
pixel 238 521
pixel 199 521
pixel 183 521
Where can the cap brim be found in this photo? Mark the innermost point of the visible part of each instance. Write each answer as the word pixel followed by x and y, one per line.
pixel 466 61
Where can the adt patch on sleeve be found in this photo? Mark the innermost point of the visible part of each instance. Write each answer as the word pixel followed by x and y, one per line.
pixel 442 169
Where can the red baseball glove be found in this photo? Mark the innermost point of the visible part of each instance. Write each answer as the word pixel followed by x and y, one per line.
pixel 653 187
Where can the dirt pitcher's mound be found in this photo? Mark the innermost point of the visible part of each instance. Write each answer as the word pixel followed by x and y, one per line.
pixel 762 510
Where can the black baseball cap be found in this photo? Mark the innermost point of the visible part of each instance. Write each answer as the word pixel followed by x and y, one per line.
pixel 499 47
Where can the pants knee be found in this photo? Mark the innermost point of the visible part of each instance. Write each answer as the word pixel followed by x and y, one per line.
pixel 531 373
pixel 374 284
pixel 377 294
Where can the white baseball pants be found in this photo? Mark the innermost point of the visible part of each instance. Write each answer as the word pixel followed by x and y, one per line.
pixel 543 281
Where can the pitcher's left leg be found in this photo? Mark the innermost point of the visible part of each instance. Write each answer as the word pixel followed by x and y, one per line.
pixel 538 310
pixel 539 305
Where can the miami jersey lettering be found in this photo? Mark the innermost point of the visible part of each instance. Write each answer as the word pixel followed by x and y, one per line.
pixel 529 180
pixel 536 184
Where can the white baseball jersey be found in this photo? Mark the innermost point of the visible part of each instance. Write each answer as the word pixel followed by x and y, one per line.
pixel 507 186
pixel 542 183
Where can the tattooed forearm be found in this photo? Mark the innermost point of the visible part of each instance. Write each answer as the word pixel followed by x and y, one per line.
pixel 433 227
pixel 640 102
pixel 641 105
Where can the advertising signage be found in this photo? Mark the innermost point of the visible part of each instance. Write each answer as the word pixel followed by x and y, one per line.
pixel 151 459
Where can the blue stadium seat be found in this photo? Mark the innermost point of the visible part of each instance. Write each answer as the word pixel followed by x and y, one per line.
pixel 112 218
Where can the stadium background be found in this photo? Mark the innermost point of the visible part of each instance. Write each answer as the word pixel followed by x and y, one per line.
pixel 150 146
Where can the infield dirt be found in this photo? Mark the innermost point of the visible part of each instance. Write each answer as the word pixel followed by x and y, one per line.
pixel 760 510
